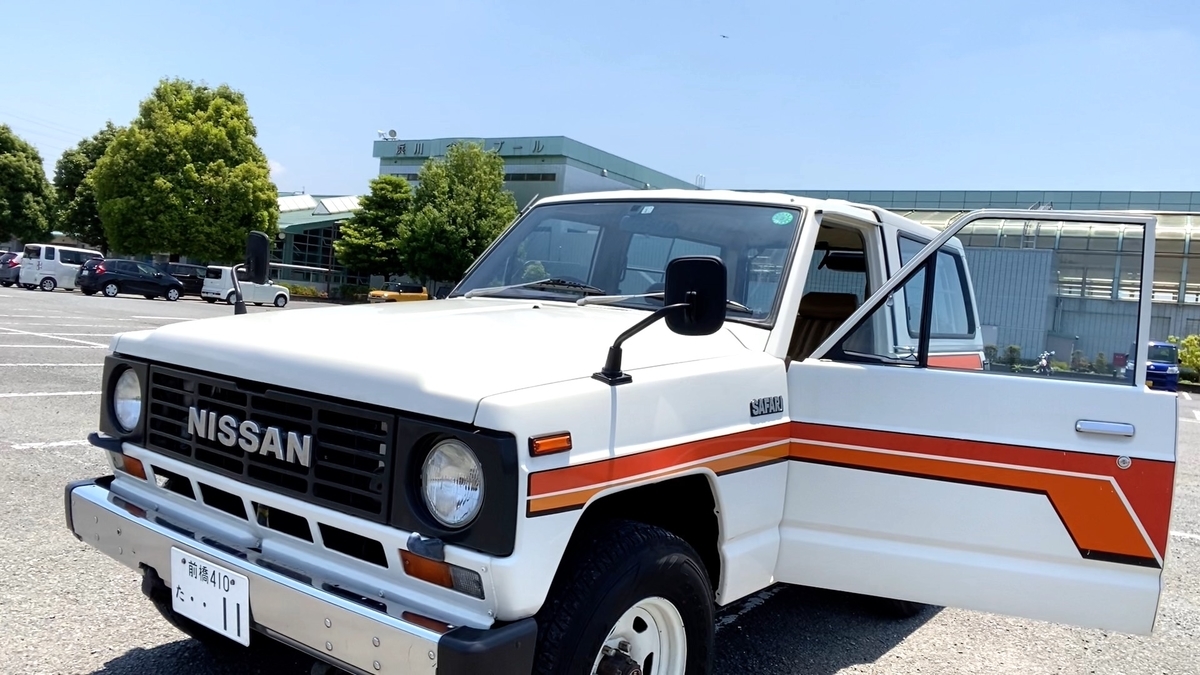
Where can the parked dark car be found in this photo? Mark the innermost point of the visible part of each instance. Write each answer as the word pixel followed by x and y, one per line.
pixel 191 276
pixel 10 268
pixel 112 277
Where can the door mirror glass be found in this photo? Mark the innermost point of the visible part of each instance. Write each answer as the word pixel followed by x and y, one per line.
pixel 698 281
pixel 258 251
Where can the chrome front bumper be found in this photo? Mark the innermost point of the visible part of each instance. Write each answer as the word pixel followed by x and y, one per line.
pixel 295 609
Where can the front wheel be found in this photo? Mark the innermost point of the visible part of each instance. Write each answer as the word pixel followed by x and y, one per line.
pixel 172 294
pixel 630 598
pixel 280 300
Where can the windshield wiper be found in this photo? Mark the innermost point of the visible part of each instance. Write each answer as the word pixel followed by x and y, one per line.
pixel 551 283
pixel 613 299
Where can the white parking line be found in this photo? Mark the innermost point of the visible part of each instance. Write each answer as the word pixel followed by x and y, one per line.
pixel 75 325
pixel 84 334
pixel 57 346
pixel 1186 395
pixel 51 444
pixel 168 318
pixel 1197 414
pixel 51 393
pixel 52 337
pixel 51 365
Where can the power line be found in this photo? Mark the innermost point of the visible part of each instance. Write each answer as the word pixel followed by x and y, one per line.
pixel 42 124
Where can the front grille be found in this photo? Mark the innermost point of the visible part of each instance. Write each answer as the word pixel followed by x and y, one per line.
pixel 352 449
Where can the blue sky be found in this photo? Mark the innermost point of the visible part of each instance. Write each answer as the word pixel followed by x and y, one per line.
pixel 877 95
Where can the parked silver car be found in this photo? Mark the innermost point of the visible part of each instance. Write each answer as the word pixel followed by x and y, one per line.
pixel 10 268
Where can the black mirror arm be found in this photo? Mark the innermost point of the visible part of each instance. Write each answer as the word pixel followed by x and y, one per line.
pixel 611 372
pixel 239 305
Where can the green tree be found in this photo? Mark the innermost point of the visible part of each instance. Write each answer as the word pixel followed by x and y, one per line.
pixel 26 200
pixel 75 197
pixel 459 208
pixel 187 176
pixel 1189 351
pixel 371 242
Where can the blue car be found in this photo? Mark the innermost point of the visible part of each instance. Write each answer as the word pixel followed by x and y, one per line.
pixel 1162 365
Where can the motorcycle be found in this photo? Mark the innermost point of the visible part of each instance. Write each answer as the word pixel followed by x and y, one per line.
pixel 1043 365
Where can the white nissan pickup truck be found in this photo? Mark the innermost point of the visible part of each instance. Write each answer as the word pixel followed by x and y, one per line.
pixel 635 408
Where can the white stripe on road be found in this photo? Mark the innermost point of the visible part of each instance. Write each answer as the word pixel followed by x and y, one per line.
pixel 1185 535
pixel 168 318
pixel 1197 414
pixel 75 325
pixel 57 346
pixel 51 393
pixel 1186 395
pixel 51 444
pixel 51 365
pixel 85 334
pixel 14 331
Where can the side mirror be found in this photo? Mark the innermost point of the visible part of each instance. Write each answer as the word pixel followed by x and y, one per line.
pixel 258 257
pixel 700 282
pixel 693 304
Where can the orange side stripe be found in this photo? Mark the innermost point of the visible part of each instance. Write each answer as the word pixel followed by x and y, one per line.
pixel 1090 507
pixel 956 361
pixel 619 468
pixel 577 498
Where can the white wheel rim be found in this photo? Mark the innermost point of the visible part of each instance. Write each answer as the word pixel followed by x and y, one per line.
pixel 173 294
pixel 654 632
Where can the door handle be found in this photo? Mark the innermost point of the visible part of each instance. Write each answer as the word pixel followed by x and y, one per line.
pixel 1105 428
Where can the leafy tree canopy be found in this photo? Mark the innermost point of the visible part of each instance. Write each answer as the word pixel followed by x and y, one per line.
pixel 371 242
pixel 77 212
pixel 460 206
pixel 25 196
pixel 186 177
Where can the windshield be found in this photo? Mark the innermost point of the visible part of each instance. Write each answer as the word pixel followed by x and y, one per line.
pixel 1161 354
pixel 623 247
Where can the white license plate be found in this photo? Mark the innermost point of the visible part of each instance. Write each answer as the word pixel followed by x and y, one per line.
pixel 211 595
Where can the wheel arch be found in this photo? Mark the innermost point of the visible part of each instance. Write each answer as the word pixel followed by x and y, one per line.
pixel 685 505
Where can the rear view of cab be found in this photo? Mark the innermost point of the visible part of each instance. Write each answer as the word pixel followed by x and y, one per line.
pixel 398 292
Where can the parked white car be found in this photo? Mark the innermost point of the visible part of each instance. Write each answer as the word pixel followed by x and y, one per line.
pixel 218 286
pixel 48 266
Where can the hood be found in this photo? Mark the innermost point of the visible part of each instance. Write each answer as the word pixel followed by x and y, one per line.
pixel 433 358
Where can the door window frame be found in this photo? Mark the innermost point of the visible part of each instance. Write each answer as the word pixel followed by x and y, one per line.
pixel 925 258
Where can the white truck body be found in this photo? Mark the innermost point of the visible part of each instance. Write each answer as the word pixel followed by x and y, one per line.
pixel 827 446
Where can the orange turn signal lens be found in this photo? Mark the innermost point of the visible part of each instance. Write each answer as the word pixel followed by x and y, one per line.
pixel 130 465
pixel 425 569
pixel 549 444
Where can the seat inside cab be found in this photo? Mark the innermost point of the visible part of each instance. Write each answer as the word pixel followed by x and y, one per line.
pixel 837 284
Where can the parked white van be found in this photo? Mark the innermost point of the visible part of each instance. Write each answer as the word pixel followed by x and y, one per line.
pixel 218 285
pixel 49 266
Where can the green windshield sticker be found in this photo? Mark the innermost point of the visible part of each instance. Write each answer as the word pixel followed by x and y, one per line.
pixel 782 218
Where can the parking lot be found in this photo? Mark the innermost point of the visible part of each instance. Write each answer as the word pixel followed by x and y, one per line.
pixel 69 609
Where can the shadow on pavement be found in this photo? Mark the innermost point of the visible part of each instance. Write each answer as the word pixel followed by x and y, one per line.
pixel 796 630
pixel 189 657
pixel 810 631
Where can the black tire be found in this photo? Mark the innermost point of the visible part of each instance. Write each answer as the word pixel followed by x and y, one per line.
pixel 172 294
pixel 609 570
pixel 149 296
pixel 6 284
pixel 111 289
pixel 48 284
pixel 231 298
pixel 29 287
pixel 258 304
pixel 211 301
pixel 89 292
pixel 280 301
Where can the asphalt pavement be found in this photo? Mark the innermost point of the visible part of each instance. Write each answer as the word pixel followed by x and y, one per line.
pixel 68 609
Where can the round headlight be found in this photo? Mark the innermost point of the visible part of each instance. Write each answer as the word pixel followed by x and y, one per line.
pixel 452 484
pixel 127 400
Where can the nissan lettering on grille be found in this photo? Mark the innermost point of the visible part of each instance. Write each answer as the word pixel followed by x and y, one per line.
pixel 250 436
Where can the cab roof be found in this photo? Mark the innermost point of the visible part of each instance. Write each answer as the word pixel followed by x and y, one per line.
pixel 841 206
